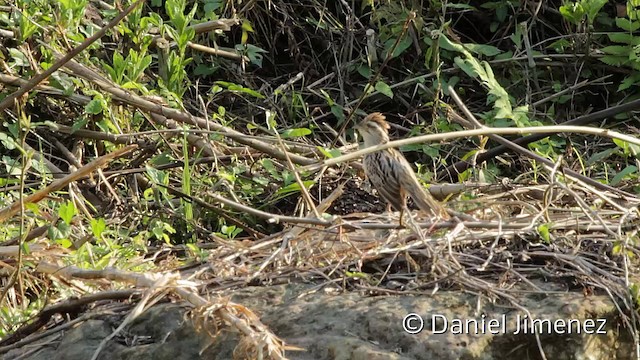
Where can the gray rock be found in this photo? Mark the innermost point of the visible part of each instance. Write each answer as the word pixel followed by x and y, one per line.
pixel 351 326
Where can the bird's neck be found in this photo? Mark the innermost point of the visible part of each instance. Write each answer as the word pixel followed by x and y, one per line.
pixel 369 142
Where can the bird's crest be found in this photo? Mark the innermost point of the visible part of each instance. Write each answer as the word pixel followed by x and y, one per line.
pixel 378 118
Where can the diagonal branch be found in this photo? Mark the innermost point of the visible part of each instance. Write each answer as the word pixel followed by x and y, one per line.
pixel 8 101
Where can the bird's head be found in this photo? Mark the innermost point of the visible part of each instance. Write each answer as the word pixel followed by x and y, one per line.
pixel 373 129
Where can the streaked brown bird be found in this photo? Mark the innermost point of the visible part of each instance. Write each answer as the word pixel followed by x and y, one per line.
pixel 390 173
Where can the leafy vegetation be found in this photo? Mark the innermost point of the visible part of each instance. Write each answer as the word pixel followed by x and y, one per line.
pixel 290 76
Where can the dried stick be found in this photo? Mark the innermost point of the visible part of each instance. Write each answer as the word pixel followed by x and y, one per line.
pixel 234 315
pixel 461 166
pixel 144 104
pixel 12 209
pixel 16 81
pixel 476 132
pixel 526 152
pixel 410 18
pixel 8 101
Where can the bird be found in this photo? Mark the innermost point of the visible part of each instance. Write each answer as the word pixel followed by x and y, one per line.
pixel 391 174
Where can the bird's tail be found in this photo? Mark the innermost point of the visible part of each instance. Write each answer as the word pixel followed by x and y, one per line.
pixel 425 201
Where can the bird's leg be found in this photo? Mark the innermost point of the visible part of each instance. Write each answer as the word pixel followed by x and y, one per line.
pixel 433 225
pixel 403 206
pixel 412 224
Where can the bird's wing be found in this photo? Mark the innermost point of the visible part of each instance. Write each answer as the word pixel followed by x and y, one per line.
pixel 383 179
pixel 422 198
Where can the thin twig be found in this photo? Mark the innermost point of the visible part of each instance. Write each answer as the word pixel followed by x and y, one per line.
pixel 8 101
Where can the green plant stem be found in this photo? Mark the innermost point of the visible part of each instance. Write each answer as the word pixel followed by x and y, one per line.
pixel 371 83
pixel 9 100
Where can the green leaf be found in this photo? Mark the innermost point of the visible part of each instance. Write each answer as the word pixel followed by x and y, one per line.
pixel 364 71
pixel 205 69
pixel 239 88
pixel 54 233
pixel 329 153
pixel 466 67
pixel 65 243
pixel 622 175
pixel 384 89
pixel 293 133
pixel 19 59
pixel 158 232
pixel 294 187
pixel 97 227
pixel 592 8
pixel 627 83
pixel 255 54
pixel 338 112
pixel 559 45
pixel 617 248
pixel 261 180
pixel 627 25
pixel 269 166
pixel 573 12
pixel 459 6
pixel 161 159
pixel 7 141
pixel 77 125
pixel 447 44
pixel 148 194
pixel 543 231
pixel 27 27
pixel 357 275
pixel 623 38
pixel 67 211
pixel 245 90
pixel 613 60
pixel 501 13
pixel 157 176
pixel 465 175
pixel 246 25
pixel 400 48
pixel 486 50
pixel 601 156
pixel 94 107
pixel 627 148
pixel 482 69
pixel 212 5
pixel 432 151
pixel 39 166
pixel 616 50
pixel 505 55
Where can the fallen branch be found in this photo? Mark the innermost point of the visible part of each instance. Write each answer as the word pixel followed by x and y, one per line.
pixel 476 132
pixel 8 101
pixel 234 315
pixel 12 209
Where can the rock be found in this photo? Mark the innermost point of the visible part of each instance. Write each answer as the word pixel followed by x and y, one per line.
pixel 351 326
